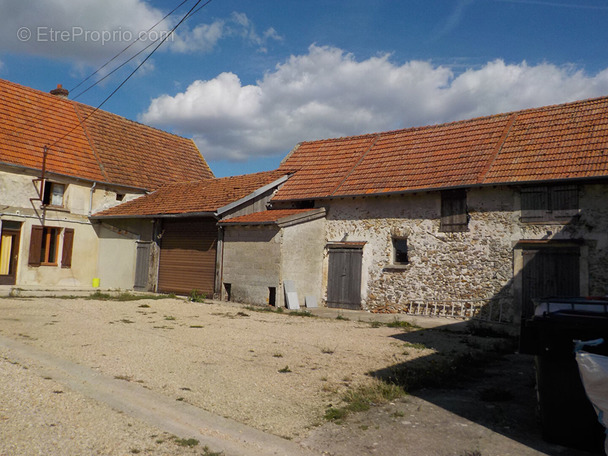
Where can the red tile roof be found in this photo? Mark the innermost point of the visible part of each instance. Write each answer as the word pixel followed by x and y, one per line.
pixel 266 217
pixel 193 197
pixel 551 143
pixel 106 148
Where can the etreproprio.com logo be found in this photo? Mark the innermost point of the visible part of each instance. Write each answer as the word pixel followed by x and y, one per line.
pixel 80 34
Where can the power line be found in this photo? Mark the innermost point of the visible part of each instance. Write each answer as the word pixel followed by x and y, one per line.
pixel 122 52
pixel 188 14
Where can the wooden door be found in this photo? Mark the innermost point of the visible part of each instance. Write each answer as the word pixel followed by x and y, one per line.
pixel 547 272
pixel 344 278
pixel 142 265
pixel 9 256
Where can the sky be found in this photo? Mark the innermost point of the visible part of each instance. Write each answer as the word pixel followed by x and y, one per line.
pixel 248 80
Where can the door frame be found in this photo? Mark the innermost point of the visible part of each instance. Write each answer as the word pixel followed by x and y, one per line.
pixel 11 279
pixel 518 265
pixel 345 247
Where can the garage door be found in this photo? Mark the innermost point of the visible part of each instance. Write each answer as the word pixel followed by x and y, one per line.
pixel 187 256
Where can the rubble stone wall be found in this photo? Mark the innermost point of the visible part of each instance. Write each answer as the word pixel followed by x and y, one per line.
pixel 473 266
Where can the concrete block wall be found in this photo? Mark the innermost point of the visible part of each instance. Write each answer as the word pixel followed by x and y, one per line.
pixel 252 263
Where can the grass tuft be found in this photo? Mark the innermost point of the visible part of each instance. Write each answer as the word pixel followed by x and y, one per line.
pixel 362 398
pixel 186 442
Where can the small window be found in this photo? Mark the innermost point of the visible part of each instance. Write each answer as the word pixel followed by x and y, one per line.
pixel 120 196
pixel 50 245
pixel 549 203
pixel 400 251
pixel 53 194
pixel 44 246
pixel 454 217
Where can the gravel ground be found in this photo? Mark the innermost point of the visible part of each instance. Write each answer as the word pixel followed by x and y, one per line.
pixel 272 371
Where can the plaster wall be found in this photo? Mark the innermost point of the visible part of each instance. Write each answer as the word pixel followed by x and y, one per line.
pixel 302 251
pixel 16 189
pixel 252 263
pixel 117 251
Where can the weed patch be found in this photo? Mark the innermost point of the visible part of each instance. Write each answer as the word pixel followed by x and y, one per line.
pixel 99 296
pixel 285 370
pixel 265 309
pixel 415 345
pixel 186 442
pixel 197 296
pixel 300 313
pixel 363 397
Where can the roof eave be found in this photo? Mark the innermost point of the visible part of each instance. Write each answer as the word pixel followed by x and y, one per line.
pixel 50 174
pixel 437 189
pixel 155 216
pixel 222 210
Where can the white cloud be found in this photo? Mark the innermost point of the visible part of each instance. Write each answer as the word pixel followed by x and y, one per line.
pixel 205 37
pixel 328 93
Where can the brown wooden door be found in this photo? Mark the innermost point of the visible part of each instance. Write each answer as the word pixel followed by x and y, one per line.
pixel 344 278
pixel 549 272
pixel 9 256
pixel 187 256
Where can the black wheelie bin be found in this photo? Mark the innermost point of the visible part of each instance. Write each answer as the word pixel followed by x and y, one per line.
pixel 565 413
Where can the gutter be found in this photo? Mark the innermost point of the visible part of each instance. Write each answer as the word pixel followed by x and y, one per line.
pixel 48 173
pixel 574 180
pixel 91 198
pixel 154 216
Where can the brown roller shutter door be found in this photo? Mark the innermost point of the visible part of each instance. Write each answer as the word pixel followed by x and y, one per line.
pixel 187 256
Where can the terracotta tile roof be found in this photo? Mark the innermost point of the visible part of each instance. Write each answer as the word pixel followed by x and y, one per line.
pixel 106 148
pixel 193 197
pixel 265 217
pixel 551 143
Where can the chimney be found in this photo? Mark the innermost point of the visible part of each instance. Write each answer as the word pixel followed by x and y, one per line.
pixel 60 91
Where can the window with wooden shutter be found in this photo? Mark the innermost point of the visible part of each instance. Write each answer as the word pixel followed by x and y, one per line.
pixel 454 217
pixel 44 246
pixel 549 203
pixel 68 242
pixel 35 246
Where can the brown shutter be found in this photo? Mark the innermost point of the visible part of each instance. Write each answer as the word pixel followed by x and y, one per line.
pixel 35 246
pixel 454 216
pixel 68 241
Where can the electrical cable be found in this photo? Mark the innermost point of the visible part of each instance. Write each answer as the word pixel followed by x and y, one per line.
pixel 188 14
pixel 122 52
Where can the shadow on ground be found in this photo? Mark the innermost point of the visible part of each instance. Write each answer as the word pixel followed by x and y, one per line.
pixel 488 383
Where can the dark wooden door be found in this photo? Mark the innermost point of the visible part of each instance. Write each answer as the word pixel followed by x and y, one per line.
pixel 187 256
pixel 344 278
pixel 9 256
pixel 549 271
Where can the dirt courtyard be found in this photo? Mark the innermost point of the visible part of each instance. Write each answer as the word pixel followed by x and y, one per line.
pixel 276 372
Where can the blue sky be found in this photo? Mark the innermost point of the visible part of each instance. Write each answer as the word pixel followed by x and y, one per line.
pixel 249 79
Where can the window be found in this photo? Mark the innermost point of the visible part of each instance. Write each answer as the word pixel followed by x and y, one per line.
pixel 454 217
pixel 53 194
pixel 44 246
pixel 549 203
pixel 400 251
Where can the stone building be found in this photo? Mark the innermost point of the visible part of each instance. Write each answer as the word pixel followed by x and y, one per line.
pixel 471 218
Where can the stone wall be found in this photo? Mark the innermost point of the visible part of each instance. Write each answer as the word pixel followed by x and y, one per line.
pixel 472 266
